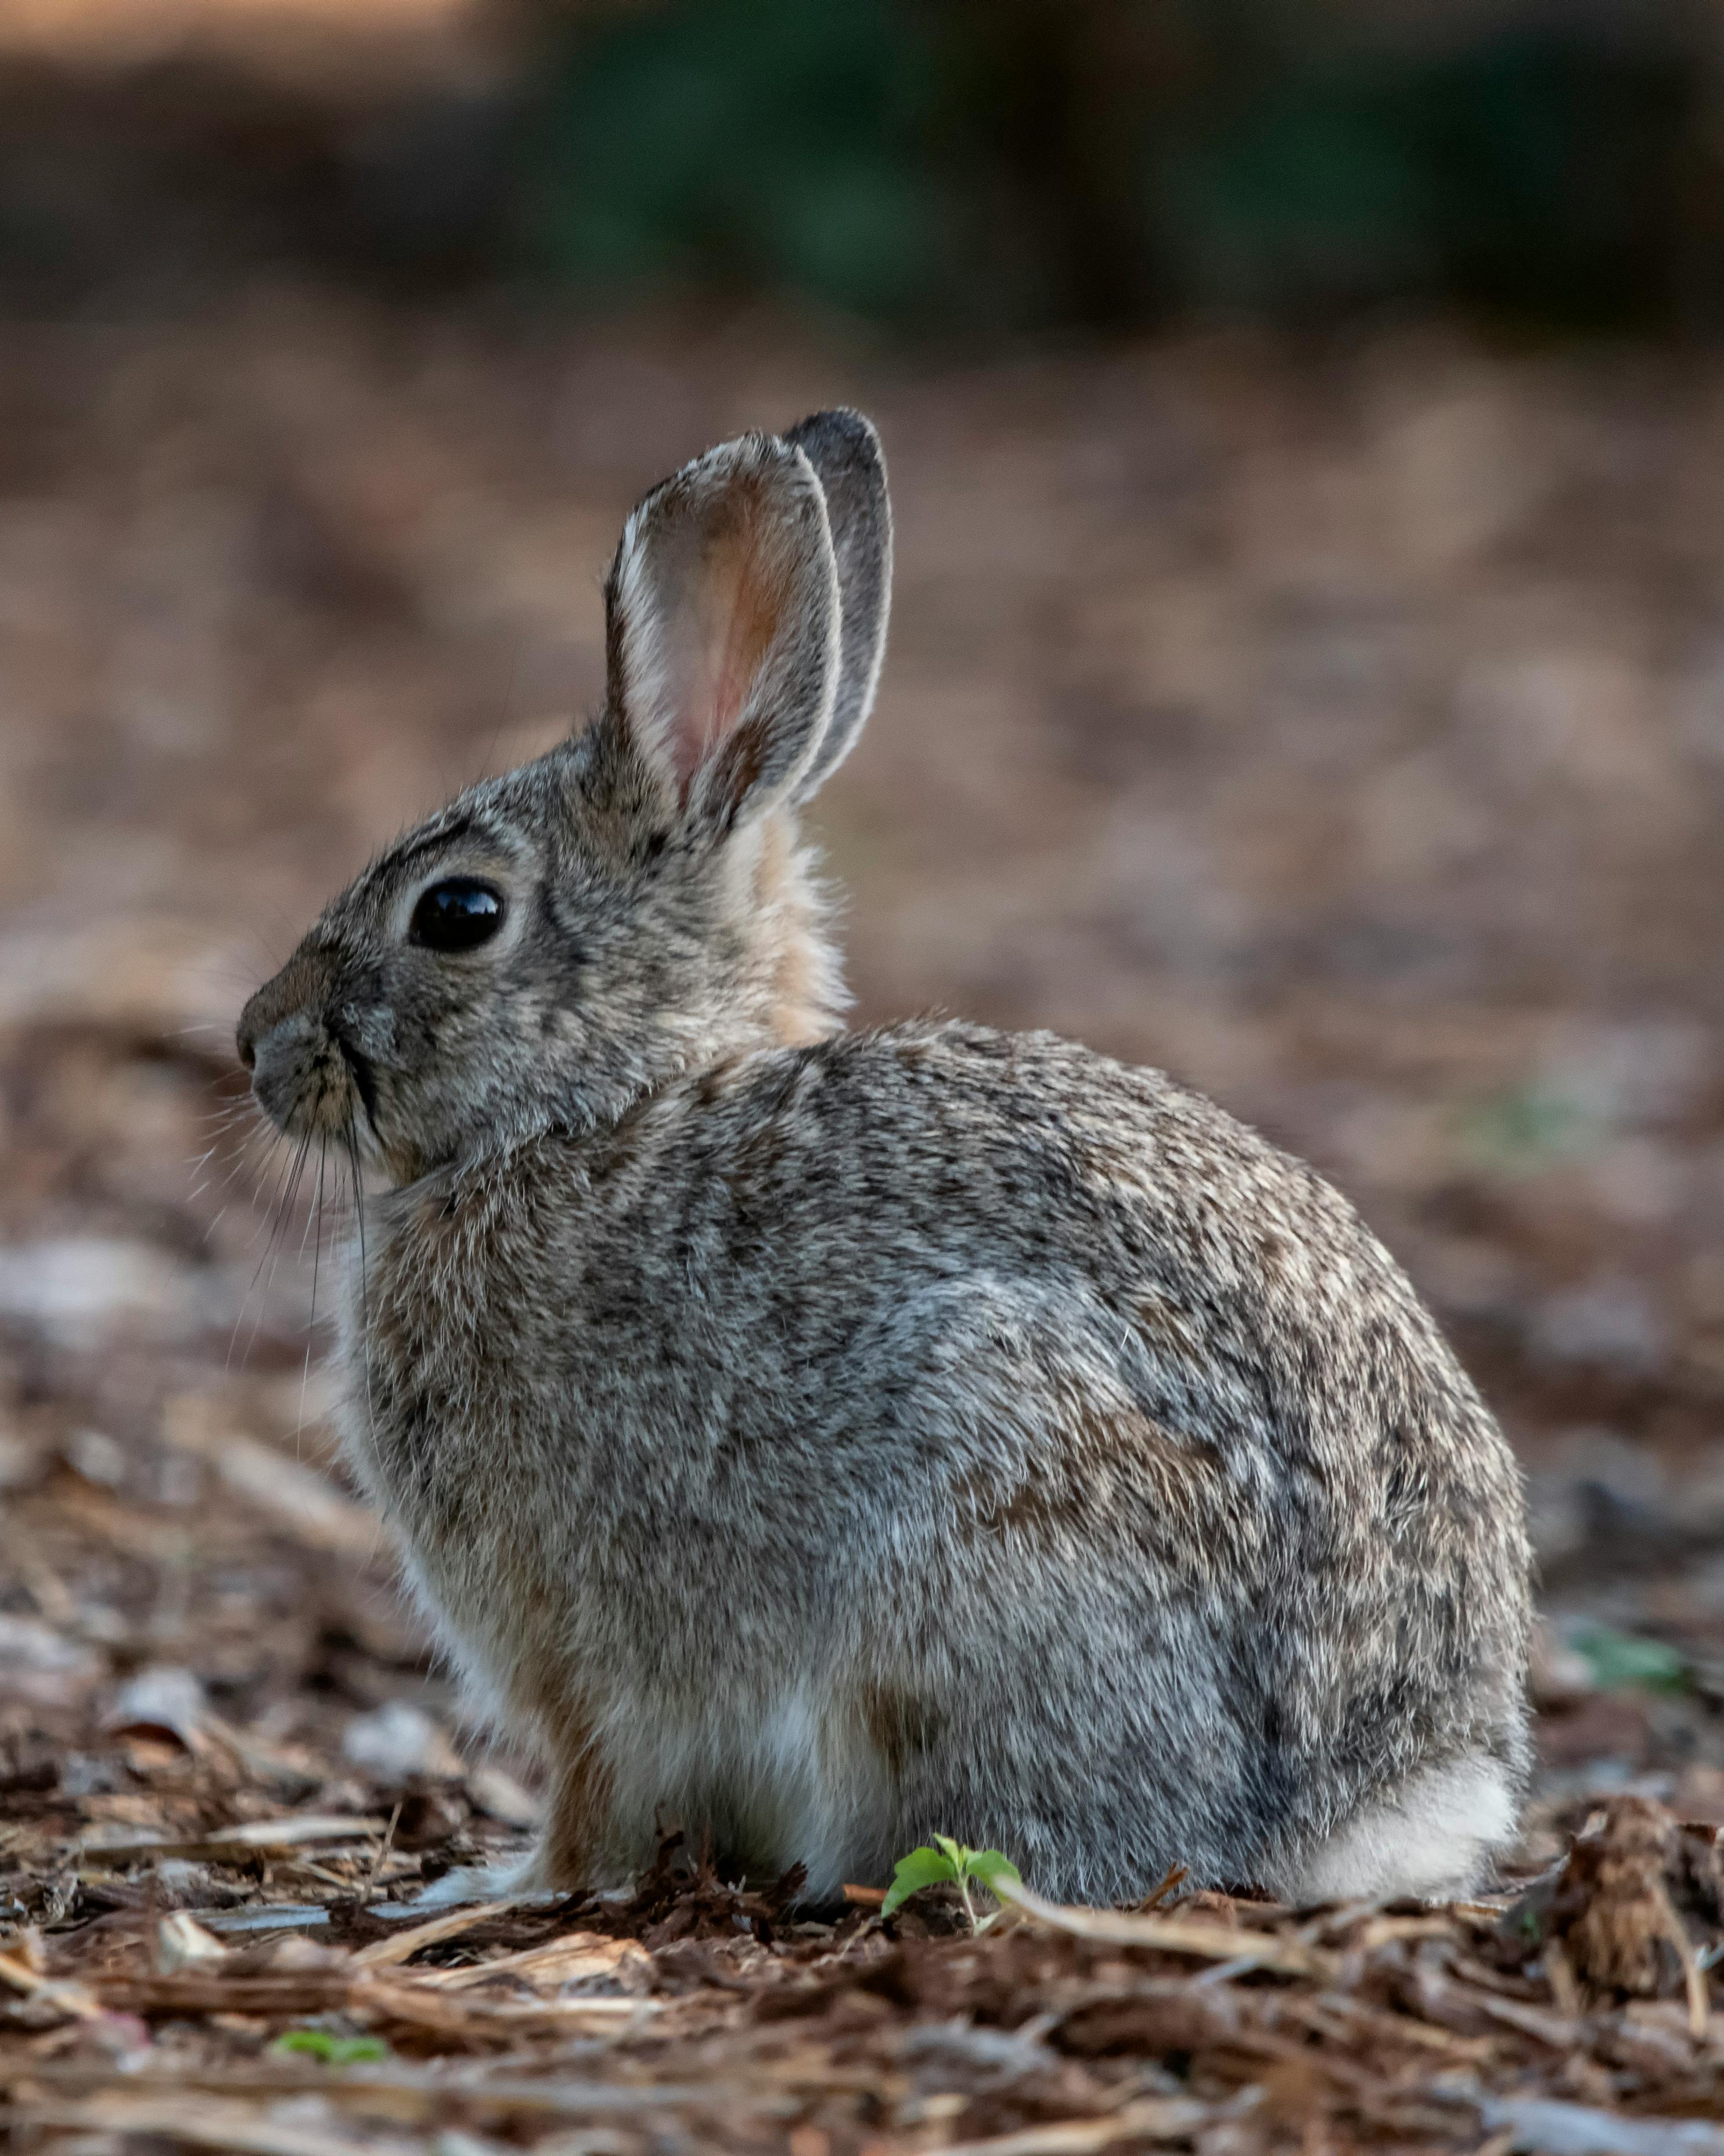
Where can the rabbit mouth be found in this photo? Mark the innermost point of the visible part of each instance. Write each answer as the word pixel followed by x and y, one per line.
pixel 312 1082
pixel 361 1077
pixel 355 1102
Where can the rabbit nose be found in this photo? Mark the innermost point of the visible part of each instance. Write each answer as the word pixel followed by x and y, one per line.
pixel 256 1024
pixel 284 1062
pixel 300 988
pixel 255 1020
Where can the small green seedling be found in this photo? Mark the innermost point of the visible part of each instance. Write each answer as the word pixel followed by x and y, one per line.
pixel 950 1860
pixel 333 2050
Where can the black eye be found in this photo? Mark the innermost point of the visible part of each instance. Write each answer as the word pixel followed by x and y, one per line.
pixel 458 915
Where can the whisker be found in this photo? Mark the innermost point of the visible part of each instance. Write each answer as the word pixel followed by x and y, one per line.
pixel 273 1220
pixel 279 1236
pixel 264 1206
pixel 230 1111
pixel 316 1259
pixel 353 1163
pixel 314 1213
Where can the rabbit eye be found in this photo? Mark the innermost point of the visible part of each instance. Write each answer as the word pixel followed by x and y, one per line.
pixel 457 914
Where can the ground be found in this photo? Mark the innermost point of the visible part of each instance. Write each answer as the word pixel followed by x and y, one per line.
pixel 1340 725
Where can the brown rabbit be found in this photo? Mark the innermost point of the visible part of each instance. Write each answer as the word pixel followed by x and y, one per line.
pixel 827 1439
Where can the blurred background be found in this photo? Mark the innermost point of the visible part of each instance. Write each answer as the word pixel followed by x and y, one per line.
pixel 1307 435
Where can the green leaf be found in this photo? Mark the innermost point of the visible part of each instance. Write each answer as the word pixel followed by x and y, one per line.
pixel 956 1854
pixel 332 2050
pixel 923 1867
pixel 989 1866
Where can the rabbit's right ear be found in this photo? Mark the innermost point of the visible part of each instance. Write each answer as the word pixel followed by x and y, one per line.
pixel 721 616
pixel 844 450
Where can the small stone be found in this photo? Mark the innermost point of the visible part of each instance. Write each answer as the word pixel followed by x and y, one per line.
pixel 160 1701
pixel 182 1942
pixel 397 1741
pixel 94 1455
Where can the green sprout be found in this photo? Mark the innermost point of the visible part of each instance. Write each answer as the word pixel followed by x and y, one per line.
pixel 333 2050
pixel 950 1860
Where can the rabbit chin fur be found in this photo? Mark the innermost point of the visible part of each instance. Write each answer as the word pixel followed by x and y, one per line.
pixel 820 1441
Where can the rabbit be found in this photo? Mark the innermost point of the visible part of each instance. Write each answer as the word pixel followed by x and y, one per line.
pixel 820 1438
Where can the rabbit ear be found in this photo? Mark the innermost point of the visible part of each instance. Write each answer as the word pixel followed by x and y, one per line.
pixel 844 450
pixel 722 627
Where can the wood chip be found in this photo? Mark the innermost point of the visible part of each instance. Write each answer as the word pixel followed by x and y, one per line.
pixel 1177 1935
pixel 71 1999
pixel 1151 2118
pixel 449 1926
pixel 236 1844
pixel 581 1956
pixel 409 2000
pixel 1555 2128
pixel 204 2123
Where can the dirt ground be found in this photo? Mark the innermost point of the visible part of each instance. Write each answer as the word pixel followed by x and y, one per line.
pixel 1338 725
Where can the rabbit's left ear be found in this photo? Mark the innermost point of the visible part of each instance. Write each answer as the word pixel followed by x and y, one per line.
pixel 722 630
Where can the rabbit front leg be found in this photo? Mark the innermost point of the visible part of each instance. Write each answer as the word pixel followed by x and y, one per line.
pixel 578 1810
pixel 566 1857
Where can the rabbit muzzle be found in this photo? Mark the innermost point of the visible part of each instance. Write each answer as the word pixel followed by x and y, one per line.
pixel 307 1074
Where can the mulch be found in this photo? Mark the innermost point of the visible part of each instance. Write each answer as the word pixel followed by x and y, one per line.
pixel 1578 2012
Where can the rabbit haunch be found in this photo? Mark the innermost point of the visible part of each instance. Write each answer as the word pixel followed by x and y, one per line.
pixel 826 1439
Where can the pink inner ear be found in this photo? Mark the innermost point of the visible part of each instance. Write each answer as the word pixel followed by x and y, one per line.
pixel 738 660
pixel 719 620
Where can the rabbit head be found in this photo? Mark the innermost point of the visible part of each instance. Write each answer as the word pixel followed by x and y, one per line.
pixel 634 904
